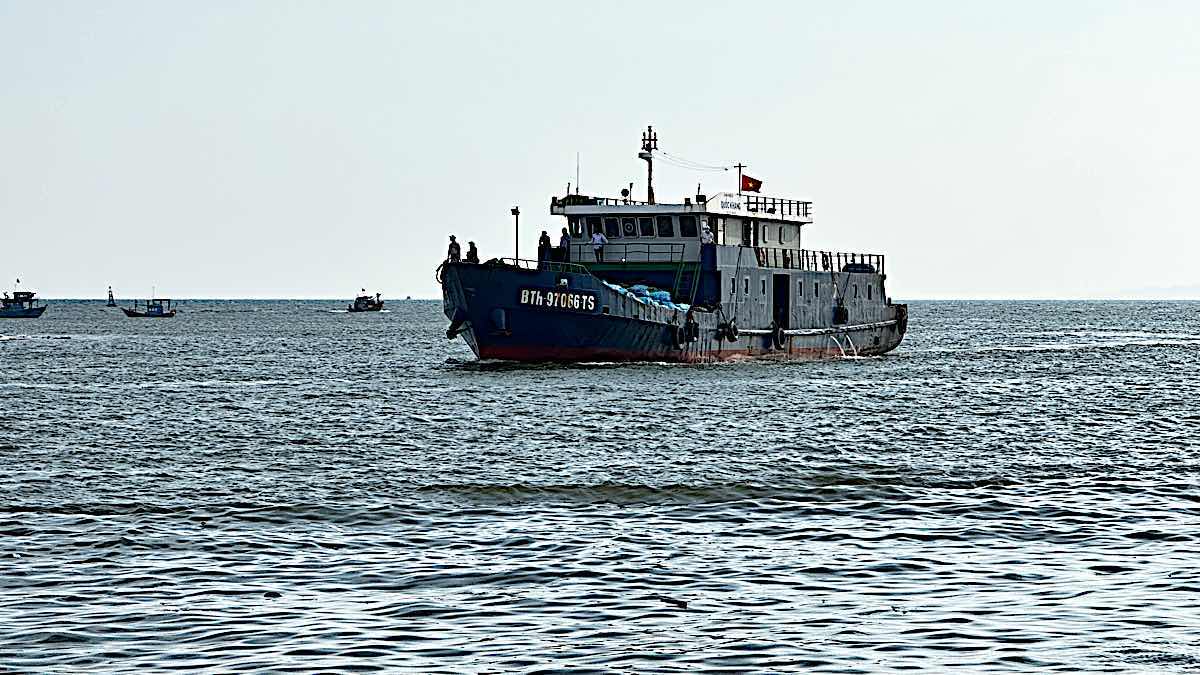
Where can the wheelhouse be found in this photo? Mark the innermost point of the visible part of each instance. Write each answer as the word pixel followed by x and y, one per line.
pixel 639 232
pixel 20 300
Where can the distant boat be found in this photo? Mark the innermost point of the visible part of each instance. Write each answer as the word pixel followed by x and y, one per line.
pixel 365 303
pixel 21 305
pixel 111 301
pixel 154 308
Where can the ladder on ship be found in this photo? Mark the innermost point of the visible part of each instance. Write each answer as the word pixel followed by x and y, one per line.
pixel 677 285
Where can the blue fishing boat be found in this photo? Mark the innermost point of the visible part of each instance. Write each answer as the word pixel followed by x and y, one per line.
pixel 712 277
pixel 154 308
pixel 22 305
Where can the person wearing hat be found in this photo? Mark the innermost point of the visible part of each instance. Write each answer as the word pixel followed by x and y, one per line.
pixel 454 251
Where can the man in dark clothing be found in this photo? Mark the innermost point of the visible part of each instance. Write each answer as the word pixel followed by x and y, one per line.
pixel 454 251
pixel 472 253
pixel 564 243
pixel 544 246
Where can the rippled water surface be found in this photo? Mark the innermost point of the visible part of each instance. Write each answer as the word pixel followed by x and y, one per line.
pixel 276 486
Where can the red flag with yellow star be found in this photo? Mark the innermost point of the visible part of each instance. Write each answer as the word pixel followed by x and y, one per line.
pixel 750 184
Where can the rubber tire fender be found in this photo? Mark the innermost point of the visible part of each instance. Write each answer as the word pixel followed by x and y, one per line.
pixel 778 339
pixel 677 336
pixel 731 331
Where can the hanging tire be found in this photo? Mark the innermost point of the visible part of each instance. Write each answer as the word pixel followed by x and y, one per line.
pixel 677 336
pixel 778 339
pixel 731 331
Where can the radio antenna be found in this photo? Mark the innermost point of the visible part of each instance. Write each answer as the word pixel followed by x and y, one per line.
pixel 649 145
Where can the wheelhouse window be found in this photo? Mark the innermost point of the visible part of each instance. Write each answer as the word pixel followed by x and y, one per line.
pixel 576 225
pixel 687 227
pixel 732 287
pixel 629 227
pixel 766 234
pixel 593 225
pixel 746 230
pixel 856 290
pixel 665 227
pixel 869 287
pixel 646 225
pixel 612 229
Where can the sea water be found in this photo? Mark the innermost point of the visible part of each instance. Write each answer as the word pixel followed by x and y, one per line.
pixel 282 486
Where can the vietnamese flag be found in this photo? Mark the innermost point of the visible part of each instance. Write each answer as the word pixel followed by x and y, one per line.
pixel 750 184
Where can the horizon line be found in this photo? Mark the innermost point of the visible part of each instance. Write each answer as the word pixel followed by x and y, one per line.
pixel 1126 298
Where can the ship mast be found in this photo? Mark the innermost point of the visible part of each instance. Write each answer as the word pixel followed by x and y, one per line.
pixel 649 145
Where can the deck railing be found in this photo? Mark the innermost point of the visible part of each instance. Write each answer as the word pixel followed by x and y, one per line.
pixel 585 200
pixel 778 206
pixel 634 251
pixel 752 203
pixel 526 264
pixel 819 261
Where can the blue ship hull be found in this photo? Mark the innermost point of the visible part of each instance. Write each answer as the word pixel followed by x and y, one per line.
pixel 511 313
pixel 21 312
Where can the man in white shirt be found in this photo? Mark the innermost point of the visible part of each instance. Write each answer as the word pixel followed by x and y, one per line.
pixel 598 242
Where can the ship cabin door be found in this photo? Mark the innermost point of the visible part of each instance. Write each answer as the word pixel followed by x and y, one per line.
pixel 749 233
pixel 781 305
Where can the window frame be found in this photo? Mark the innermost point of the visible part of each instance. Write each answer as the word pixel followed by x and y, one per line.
pixel 645 220
pixel 658 225
pixel 615 231
pixel 695 226
pixel 632 220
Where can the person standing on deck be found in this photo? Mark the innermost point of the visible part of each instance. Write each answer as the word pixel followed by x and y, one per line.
pixel 472 253
pixel 564 243
pixel 454 251
pixel 544 247
pixel 598 242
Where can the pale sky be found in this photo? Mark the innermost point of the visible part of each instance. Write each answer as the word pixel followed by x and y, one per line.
pixel 308 149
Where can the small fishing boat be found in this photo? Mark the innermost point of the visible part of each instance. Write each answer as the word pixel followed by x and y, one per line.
pixel 365 303
pixel 112 302
pixel 21 305
pixel 154 308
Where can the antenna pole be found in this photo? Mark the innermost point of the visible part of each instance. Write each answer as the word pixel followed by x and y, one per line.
pixel 576 172
pixel 740 166
pixel 516 214
pixel 649 145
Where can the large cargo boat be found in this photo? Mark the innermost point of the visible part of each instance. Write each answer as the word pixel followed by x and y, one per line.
pixel 714 277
